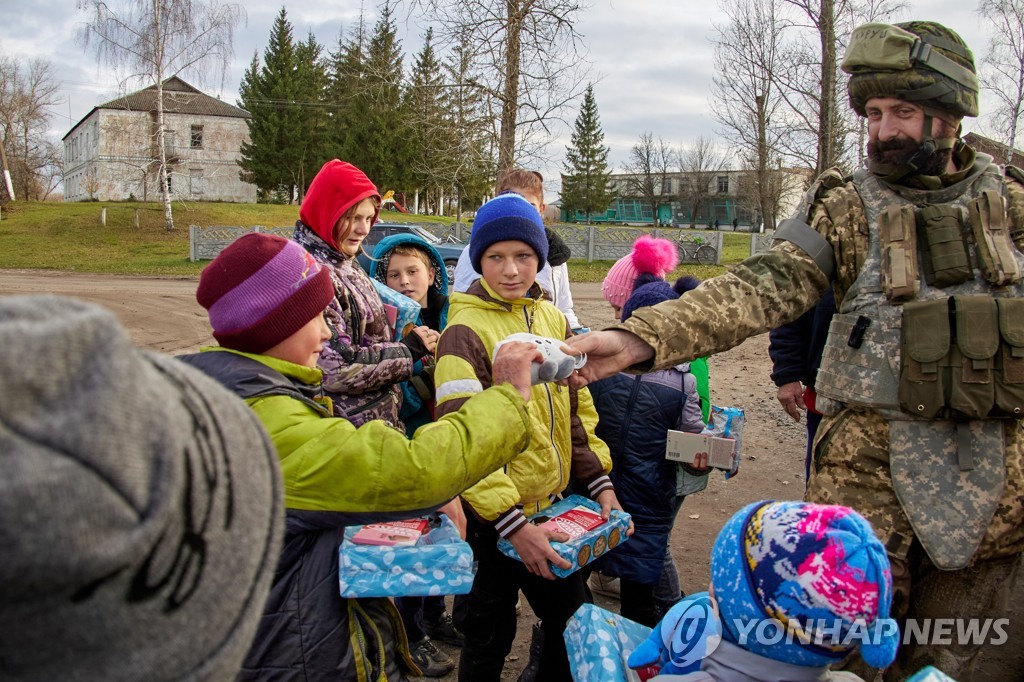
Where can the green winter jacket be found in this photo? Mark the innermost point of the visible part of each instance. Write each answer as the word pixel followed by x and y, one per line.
pixel 336 475
pixel 563 420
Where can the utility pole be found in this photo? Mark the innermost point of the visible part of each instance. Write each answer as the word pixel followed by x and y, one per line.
pixel 7 172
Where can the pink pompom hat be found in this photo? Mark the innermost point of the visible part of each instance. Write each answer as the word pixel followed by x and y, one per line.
pixel 650 255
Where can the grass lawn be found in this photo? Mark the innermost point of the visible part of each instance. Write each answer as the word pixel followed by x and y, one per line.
pixel 70 236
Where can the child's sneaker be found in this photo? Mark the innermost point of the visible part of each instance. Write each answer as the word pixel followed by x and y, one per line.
pixel 431 661
pixel 443 630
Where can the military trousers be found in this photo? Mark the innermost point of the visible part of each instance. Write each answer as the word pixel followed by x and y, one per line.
pixel 851 467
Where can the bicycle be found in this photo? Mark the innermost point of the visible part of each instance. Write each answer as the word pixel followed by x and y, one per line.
pixel 699 252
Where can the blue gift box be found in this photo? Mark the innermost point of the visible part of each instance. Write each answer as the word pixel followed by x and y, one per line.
pixel 582 550
pixel 440 563
pixel 599 642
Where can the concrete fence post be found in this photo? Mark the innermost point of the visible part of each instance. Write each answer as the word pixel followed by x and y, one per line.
pixel 103 217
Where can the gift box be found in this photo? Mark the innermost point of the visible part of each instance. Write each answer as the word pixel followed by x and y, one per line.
pixel 599 642
pixel 578 551
pixel 440 563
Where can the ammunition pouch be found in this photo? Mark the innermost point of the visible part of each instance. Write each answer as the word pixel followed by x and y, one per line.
pixel 993 240
pixel 945 259
pixel 963 358
pixel 898 243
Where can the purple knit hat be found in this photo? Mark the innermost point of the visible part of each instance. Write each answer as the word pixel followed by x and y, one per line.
pixel 260 290
pixel 805 584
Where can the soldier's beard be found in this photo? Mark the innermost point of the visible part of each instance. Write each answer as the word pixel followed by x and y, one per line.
pixel 899 151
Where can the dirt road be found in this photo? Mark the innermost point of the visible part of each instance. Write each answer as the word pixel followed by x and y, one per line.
pixel 162 314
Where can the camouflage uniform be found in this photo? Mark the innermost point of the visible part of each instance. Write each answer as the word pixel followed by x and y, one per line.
pixel 851 461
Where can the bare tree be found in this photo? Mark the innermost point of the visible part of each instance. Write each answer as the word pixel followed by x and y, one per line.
pixel 700 163
pixel 530 59
pixel 158 39
pixel 26 92
pixel 1003 68
pixel 647 170
pixel 746 99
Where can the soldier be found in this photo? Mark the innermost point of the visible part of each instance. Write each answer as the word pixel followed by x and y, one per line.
pixel 922 378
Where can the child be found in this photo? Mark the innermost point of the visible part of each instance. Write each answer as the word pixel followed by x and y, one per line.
pixel 658 257
pixel 414 268
pixel 141 512
pixel 362 365
pixel 799 587
pixel 266 299
pixel 636 411
pixel 553 276
pixel 507 248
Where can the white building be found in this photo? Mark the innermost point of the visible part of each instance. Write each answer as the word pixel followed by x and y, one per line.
pixel 110 155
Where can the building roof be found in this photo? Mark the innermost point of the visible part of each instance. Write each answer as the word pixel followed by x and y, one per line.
pixel 179 98
pixel 995 149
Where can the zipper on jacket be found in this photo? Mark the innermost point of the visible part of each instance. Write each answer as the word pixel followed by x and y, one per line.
pixel 629 413
pixel 551 436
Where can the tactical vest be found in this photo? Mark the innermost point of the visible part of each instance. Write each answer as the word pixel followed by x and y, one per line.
pixel 931 336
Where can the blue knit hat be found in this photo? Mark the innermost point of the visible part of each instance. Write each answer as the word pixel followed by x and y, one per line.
pixel 650 290
pixel 503 218
pixel 804 584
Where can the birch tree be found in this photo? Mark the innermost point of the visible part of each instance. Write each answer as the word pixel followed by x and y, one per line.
pixel 28 90
pixel 1002 71
pixel 153 40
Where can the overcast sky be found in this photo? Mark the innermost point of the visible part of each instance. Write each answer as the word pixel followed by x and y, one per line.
pixel 651 59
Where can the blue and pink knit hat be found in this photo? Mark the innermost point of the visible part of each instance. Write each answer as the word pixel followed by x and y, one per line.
pixel 804 584
pixel 260 290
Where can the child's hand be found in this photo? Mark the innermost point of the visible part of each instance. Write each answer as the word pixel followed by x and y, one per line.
pixel 453 510
pixel 533 545
pixel 608 501
pixel 428 336
pixel 512 365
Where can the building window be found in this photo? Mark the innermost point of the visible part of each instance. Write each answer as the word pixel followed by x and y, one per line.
pixel 723 184
pixel 197 137
pixel 666 186
pixel 195 181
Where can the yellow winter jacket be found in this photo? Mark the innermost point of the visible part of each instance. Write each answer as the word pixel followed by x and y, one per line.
pixel 563 420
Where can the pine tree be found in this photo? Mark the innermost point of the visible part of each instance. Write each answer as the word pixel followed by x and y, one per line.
pixel 380 146
pixel 272 155
pixel 585 184
pixel 471 162
pixel 429 138
pixel 345 76
pixel 310 81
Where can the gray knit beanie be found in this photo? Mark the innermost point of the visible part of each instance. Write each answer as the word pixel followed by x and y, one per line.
pixel 141 507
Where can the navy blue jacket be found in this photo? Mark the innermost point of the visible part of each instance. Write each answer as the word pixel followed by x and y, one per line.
pixel 795 348
pixel 636 412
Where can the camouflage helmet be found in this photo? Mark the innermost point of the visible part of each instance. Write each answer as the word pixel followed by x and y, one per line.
pixel 916 61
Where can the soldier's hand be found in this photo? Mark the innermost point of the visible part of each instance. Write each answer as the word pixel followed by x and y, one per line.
pixel 791 397
pixel 512 365
pixel 608 352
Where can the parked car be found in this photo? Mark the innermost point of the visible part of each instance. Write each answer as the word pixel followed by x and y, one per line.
pixel 450 248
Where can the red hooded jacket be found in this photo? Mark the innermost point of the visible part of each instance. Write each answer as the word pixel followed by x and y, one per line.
pixel 336 188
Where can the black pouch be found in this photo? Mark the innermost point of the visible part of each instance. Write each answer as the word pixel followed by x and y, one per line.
pixel 972 358
pixel 924 373
pixel 1010 361
pixel 944 257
